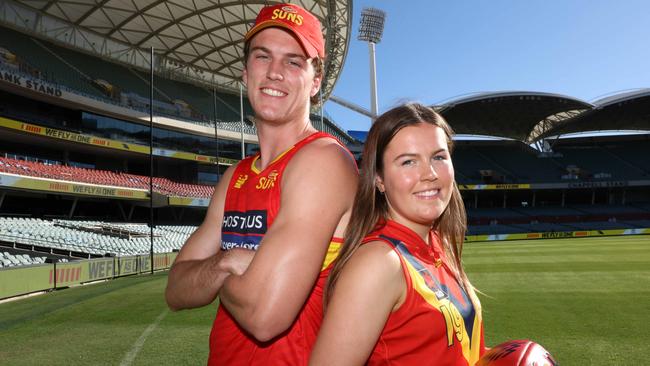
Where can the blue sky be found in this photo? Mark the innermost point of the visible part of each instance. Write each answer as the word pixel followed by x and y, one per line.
pixel 433 51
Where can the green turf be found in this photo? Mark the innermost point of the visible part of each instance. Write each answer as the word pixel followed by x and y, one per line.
pixel 585 300
pixel 99 324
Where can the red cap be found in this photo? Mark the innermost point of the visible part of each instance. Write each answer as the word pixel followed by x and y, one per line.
pixel 303 24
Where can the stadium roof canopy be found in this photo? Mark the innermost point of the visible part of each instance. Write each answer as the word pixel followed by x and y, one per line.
pixel 516 115
pixel 200 39
pixel 622 111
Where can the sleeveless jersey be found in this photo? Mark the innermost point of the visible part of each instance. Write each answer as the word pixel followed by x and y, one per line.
pixel 252 203
pixel 437 324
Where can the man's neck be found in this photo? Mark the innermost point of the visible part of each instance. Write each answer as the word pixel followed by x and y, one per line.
pixel 275 139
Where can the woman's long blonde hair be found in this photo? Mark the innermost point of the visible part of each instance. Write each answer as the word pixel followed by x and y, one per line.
pixel 370 206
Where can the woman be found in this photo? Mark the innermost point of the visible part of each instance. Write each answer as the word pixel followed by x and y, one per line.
pixel 397 294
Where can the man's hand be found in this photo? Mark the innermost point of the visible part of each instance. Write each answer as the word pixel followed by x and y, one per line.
pixel 196 277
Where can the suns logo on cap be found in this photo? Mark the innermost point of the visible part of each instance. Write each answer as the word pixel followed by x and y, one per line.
pixel 289 9
pixel 287 13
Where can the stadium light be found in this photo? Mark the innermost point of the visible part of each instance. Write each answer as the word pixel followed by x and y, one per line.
pixel 371 30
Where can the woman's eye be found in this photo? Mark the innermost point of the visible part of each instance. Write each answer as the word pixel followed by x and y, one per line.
pixel 440 157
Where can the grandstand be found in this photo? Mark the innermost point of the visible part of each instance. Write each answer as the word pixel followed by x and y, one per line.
pixel 531 176
pixel 89 239
pixel 571 160
pixel 99 177
pixel 75 135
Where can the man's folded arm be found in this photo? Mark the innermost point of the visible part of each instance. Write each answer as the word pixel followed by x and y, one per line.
pixel 318 189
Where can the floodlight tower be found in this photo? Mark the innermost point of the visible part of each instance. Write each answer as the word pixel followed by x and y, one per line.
pixel 370 30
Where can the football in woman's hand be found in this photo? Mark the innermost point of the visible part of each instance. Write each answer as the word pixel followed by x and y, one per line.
pixel 522 352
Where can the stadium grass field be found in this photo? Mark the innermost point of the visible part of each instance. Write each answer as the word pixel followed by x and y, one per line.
pixel 585 300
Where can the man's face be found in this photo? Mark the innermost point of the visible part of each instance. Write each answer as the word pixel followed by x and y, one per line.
pixel 279 76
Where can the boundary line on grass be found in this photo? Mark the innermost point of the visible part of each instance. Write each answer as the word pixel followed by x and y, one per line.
pixel 137 346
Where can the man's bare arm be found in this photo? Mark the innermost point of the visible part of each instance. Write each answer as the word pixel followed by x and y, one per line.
pixel 199 270
pixel 317 193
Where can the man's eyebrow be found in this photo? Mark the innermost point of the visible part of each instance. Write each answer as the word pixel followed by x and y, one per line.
pixel 296 55
pixel 260 48
pixel 288 55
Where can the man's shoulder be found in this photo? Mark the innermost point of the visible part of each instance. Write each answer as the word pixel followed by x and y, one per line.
pixel 227 176
pixel 324 158
pixel 325 150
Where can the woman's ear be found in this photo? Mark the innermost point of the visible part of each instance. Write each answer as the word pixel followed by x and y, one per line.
pixel 379 183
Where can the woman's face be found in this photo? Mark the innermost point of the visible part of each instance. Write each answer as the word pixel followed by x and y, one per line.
pixel 418 176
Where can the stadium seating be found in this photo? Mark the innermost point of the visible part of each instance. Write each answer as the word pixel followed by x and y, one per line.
pixel 12 260
pixel 517 158
pixel 468 164
pixel 511 162
pixel 540 227
pixel 642 206
pixel 102 177
pixel 493 213
pixel 49 67
pixel 603 225
pixel 608 209
pixel 556 218
pixel 635 154
pixel 508 160
pixel 606 160
pixel 199 99
pixel 640 224
pixel 493 229
pixel 81 73
pixel 89 238
pixel 95 68
pixel 591 161
pixel 165 186
pixel 548 211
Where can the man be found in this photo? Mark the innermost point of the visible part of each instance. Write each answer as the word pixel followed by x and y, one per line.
pixel 289 204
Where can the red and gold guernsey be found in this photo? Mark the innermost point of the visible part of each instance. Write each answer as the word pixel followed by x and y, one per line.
pixel 252 203
pixel 437 324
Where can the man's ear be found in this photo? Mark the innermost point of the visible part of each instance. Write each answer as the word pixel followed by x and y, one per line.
pixel 244 77
pixel 315 87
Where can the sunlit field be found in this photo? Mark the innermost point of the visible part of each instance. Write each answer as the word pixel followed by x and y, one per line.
pixel 585 300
